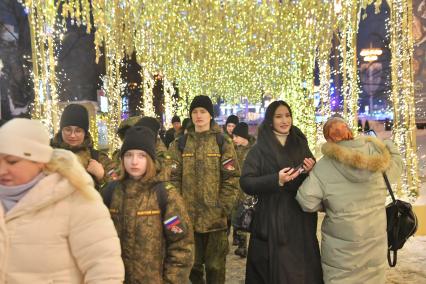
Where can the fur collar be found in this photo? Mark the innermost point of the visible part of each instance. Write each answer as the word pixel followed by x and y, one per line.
pixel 348 155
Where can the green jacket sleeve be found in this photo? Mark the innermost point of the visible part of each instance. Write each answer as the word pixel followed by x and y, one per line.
pixel 179 239
pixel 109 168
pixel 230 175
pixel 175 165
pixel 161 151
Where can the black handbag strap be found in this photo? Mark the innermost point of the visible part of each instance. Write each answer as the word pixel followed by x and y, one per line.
pixel 389 188
pixel 392 262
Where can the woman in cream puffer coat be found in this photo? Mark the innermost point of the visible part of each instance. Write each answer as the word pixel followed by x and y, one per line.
pixel 54 227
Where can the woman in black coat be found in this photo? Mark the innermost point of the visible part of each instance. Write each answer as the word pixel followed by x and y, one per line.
pixel 283 247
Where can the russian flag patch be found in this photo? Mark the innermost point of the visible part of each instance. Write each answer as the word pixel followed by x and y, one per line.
pixel 229 164
pixel 172 225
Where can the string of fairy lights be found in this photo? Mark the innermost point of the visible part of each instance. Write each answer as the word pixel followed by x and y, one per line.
pixel 402 94
pixel 228 50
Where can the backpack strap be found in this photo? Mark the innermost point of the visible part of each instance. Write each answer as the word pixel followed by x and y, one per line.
pixel 220 140
pixel 159 188
pixel 162 197
pixel 107 192
pixel 182 142
pixel 94 154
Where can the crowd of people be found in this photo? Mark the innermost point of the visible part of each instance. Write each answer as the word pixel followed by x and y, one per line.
pixel 161 208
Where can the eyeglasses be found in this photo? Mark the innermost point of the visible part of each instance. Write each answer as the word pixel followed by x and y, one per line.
pixel 70 130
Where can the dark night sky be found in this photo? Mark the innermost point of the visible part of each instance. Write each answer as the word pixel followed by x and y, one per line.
pixel 372 30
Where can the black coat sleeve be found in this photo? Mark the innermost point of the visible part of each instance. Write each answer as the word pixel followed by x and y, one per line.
pixel 252 181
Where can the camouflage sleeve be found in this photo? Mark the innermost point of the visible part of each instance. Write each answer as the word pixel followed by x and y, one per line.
pixel 109 168
pixel 116 157
pixel 175 164
pixel 179 238
pixel 160 150
pixel 163 162
pixel 230 174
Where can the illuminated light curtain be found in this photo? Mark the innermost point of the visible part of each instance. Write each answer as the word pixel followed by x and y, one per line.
pixel 111 33
pixel 404 127
pixel 147 105
pixel 326 18
pixel 349 65
pixel 113 86
pixel 169 103
pixel 231 49
pixel 45 33
pixel 94 130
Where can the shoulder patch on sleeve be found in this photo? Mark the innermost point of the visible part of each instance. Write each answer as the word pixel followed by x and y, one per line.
pixel 228 164
pixel 172 224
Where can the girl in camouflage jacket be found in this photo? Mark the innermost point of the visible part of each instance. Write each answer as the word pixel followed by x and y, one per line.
pixel 74 136
pixel 152 223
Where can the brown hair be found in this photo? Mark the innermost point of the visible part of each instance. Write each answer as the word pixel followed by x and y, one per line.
pixel 150 172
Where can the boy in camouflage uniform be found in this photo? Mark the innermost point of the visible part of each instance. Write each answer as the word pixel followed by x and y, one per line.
pixel 156 239
pixel 207 176
pixel 243 143
pixel 173 132
pixel 230 124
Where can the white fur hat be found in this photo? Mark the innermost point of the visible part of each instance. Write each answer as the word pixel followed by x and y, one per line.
pixel 27 139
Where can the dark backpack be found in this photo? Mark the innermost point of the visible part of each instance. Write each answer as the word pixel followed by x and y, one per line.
pixel 401 224
pixel 159 189
pixel 220 140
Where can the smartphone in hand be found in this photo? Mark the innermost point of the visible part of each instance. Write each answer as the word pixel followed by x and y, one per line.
pixel 300 168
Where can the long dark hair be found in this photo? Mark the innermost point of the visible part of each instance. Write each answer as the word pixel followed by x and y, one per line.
pixel 267 140
pixel 269 115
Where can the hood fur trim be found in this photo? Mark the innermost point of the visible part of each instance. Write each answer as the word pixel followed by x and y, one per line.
pixel 347 156
pixel 66 164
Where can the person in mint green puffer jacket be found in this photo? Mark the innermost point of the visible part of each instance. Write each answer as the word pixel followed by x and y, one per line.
pixel 347 183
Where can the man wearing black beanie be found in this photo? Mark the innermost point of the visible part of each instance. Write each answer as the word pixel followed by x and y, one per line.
pixel 243 143
pixel 173 132
pixel 202 102
pixel 206 171
pixel 230 124
pixel 74 135
pixel 150 122
pixel 241 130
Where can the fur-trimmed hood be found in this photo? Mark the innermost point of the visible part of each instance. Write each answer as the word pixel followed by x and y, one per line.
pixel 357 159
pixel 67 165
